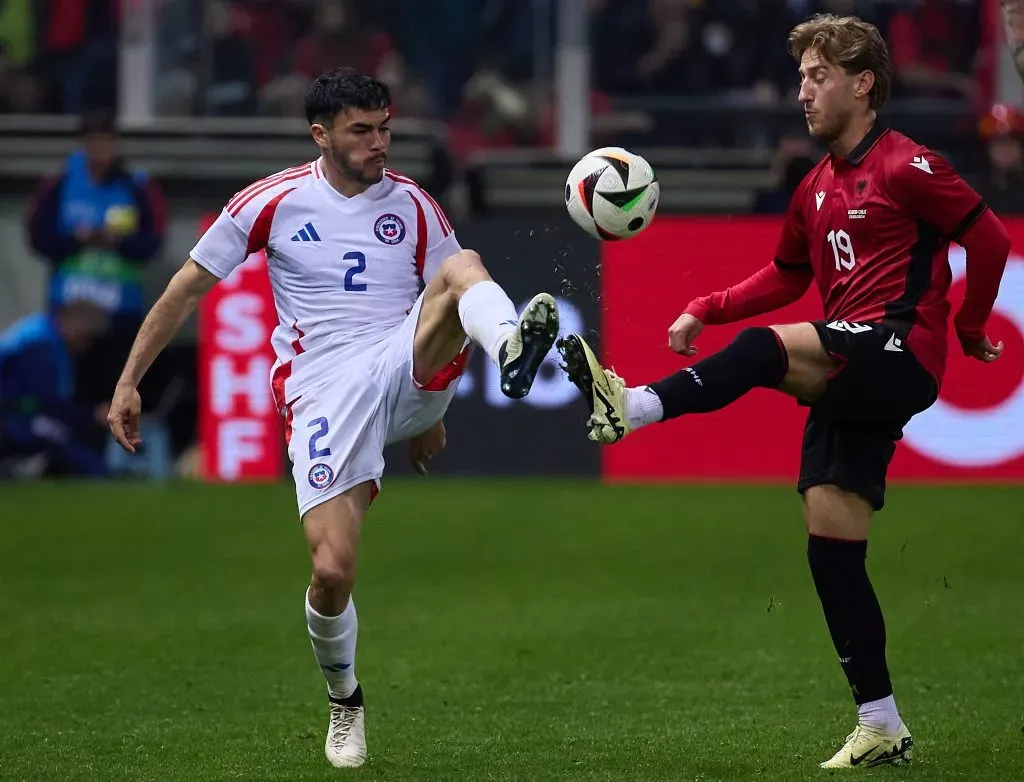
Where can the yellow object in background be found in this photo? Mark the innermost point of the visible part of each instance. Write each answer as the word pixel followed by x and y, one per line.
pixel 122 219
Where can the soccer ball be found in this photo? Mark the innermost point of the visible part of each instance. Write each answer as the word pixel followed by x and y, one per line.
pixel 612 193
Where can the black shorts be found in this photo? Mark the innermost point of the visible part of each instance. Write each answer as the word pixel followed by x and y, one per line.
pixel 852 429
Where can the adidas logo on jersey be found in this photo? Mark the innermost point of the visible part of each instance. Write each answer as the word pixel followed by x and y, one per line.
pixel 306 234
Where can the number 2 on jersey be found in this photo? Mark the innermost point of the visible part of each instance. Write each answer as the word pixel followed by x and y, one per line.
pixel 842 249
pixel 358 268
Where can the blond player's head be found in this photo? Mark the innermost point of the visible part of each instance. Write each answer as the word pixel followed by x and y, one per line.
pixel 348 118
pixel 844 71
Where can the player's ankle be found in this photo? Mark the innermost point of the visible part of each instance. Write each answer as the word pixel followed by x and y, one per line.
pixel 488 317
pixel 643 406
pixel 881 714
pixel 346 693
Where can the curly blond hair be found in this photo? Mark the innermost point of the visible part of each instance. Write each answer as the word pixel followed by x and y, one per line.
pixel 849 42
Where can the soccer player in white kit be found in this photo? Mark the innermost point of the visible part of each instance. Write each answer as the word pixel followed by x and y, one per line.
pixel 364 358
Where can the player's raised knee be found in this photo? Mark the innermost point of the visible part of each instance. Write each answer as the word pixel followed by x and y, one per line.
pixel 763 347
pixel 463 270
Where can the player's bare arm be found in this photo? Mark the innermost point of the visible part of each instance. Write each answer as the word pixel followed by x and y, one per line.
pixel 183 292
pixel 1013 21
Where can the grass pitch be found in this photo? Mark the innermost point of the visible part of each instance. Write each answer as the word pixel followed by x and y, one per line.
pixel 508 630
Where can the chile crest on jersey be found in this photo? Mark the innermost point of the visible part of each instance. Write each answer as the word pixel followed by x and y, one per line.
pixel 389 228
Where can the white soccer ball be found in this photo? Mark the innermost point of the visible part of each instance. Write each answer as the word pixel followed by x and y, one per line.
pixel 612 193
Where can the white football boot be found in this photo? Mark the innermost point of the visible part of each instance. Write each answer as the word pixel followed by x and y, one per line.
pixel 346 734
pixel 868 747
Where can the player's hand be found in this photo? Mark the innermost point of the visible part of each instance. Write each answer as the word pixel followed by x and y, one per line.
pixel 123 418
pixel 982 349
pixel 683 332
pixel 425 446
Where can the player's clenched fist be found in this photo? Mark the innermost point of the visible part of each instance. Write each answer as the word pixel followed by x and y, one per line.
pixel 123 418
pixel 683 333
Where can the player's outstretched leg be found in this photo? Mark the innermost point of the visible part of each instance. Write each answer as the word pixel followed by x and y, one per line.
pixel 462 300
pixel 786 357
pixel 332 532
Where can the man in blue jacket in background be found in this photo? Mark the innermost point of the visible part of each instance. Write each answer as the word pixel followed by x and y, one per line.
pixel 39 416
pixel 97 223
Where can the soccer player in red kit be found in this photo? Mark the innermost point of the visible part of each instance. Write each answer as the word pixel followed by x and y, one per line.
pixel 870 227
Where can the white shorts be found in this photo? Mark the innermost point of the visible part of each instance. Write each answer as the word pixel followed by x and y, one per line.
pixel 337 431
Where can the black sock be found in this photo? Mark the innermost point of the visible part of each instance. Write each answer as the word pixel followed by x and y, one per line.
pixel 755 359
pixel 852 613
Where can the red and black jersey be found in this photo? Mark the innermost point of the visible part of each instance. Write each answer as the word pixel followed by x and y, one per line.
pixel 874 228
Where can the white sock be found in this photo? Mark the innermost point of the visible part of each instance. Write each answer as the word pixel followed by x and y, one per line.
pixel 880 714
pixel 488 316
pixel 334 644
pixel 643 406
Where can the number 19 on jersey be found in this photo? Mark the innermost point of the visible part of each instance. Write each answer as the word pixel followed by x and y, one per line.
pixel 842 250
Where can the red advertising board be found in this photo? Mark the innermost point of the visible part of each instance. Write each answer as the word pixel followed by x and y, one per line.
pixel 239 427
pixel 974 432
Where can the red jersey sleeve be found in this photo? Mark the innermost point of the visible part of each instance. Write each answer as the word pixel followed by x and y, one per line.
pixel 775 286
pixel 792 249
pixel 927 187
pixel 988 246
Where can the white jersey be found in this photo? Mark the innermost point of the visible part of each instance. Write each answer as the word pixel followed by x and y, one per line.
pixel 345 271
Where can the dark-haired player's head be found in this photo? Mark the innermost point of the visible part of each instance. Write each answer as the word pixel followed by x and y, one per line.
pixel 348 117
pixel 845 71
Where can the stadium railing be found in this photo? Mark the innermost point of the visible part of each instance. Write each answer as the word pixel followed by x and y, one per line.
pixel 711 154
pixel 226 150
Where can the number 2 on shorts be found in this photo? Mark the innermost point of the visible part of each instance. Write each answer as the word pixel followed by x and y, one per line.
pixel 314 452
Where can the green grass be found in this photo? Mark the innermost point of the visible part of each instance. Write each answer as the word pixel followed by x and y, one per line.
pixel 508 630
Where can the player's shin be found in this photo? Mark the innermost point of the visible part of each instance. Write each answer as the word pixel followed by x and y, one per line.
pixel 334 645
pixel 856 625
pixel 754 359
pixel 488 316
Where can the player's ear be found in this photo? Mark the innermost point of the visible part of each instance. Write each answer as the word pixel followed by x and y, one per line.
pixel 865 82
pixel 321 135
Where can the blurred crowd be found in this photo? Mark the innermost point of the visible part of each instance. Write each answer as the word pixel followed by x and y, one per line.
pixel 482 66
